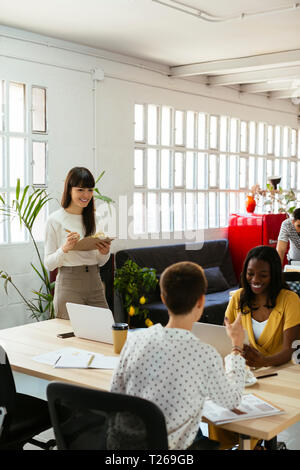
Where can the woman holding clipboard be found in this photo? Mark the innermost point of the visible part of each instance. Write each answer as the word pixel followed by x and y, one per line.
pixel 78 280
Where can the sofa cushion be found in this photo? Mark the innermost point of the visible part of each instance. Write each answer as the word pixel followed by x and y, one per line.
pixel 216 282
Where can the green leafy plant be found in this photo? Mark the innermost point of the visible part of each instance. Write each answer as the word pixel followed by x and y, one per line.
pixel 286 200
pixel 26 206
pixel 135 284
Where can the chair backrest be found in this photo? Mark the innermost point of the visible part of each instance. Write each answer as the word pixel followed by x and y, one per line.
pixel 292 278
pixel 7 386
pixel 87 419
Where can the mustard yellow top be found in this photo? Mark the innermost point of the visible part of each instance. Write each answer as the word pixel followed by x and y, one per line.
pixel 285 314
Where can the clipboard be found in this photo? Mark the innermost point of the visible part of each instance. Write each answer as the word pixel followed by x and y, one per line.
pixel 89 243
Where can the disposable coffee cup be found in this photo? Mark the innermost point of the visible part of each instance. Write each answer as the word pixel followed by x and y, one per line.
pixel 119 331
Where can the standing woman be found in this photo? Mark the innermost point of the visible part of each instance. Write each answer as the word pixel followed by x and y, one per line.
pixel 270 311
pixel 78 280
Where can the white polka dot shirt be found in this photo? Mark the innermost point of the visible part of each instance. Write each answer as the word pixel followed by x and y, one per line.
pixel 173 369
pixel 288 233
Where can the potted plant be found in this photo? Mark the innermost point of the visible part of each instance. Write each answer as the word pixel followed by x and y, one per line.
pixel 285 200
pixel 135 285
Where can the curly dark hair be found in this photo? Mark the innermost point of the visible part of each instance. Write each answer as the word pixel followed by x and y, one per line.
pixel 269 255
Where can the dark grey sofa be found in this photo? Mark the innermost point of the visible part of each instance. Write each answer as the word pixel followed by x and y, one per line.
pixel 213 256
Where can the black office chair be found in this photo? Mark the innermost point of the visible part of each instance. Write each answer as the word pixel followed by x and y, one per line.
pixel 293 280
pixel 24 416
pixel 86 419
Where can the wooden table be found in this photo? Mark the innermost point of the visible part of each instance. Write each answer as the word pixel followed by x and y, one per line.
pixel 22 343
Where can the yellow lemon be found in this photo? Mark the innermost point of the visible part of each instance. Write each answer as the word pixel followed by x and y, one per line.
pixel 148 322
pixel 142 300
pixel 131 311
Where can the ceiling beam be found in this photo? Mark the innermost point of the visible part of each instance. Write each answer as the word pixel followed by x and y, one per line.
pixel 242 64
pixel 269 86
pixel 257 76
pixel 285 94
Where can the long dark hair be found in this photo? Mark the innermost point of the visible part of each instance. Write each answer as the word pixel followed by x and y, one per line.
pixel 81 177
pixel 269 255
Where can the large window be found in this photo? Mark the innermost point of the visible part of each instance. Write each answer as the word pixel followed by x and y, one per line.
pixel 191 170
pixel 23 148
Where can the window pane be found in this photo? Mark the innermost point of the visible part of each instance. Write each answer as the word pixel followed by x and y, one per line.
pixel 213 171
pixel 252 137
pixel 261 138
pixel 232 203
pixel 242 206
pixel 1 161
pixel 201 131
pixel 139 122
pixel 223 172
pixel 233 134
pixel 201 211
pixel 244 136
pixel 212 210
pixel 252 173
pixel 293 175
pixel 293 142
pixel 277 168
pixel 261 172
pixel 190 211
pixel 298 175
pixel 202 159
pixel 152 124
pixel 178 212
pixel 165 212
pixel 223 133
pixel 284 172
pixel 270 139
pixel 277 141
pixel 17 232
pixel 152 169
pixel 270 171
pixel 243 172
pixel 138 213
pixel 190 170
pixel 223 210
pixel 39 163
pixel 179 116
pixel 39 123
pixel 190 129
pixel 165 171
pixel 233 167
pixel 1 105
pixel 16 107
pixel 152 213
pixel 178 169
pixel 166 125
pixel 285 141
pixel 39 225
pixel 213 132
pixel 138 167
pixel 16 160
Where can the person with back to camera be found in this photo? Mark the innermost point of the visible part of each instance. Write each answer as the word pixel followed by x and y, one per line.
pixel 172 368
pixel 78 279
pixel 270 310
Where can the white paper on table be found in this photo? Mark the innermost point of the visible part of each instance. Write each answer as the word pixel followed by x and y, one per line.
pixel 77 358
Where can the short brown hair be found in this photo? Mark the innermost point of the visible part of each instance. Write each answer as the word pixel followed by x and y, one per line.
pixel 182 284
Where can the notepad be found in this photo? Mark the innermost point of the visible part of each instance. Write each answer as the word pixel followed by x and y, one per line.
pixel 77 359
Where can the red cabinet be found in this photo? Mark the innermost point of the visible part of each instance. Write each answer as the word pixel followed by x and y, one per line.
pixel 246 232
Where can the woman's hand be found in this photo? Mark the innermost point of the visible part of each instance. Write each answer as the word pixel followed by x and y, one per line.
pixel 235 331
pixel 71 241
pixel 103 247
pixel 253 357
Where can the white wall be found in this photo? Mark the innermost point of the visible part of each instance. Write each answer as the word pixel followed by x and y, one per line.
pixel 75 138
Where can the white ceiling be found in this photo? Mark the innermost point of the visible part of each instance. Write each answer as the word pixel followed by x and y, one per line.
pixel 259 53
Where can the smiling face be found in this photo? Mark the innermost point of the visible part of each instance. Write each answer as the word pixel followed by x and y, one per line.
pixel 80 197
pixel 258 276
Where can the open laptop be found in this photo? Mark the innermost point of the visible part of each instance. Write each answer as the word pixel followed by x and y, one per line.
pixel 91 322
pixel 216 336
